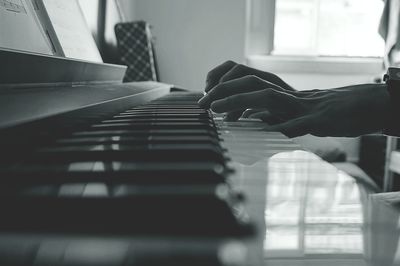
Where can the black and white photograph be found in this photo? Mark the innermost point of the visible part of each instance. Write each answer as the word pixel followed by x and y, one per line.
pixel 199 132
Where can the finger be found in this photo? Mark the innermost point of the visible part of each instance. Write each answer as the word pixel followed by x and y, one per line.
pixel 238 102
pixel 236 72
pixel 276 102
pixel 296 127
pixel 232 87
pixel 266 117
pixel 241 70
pixel 275 80
pixel 215 74
pixel 233 116
pixel 249 112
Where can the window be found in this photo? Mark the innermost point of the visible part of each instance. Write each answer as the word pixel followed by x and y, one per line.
pixel 316 36
pixel 328 28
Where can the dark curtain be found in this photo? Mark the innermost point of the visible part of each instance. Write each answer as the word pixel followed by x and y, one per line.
pixel 108 16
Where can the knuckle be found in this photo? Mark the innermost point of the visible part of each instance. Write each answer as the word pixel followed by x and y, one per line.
pixel 253 79
pixel 230 63
pixel 235 72
pixel 240 68
pixel 210 75
pixel 214 73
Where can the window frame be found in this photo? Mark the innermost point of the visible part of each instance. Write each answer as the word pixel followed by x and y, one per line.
pixel 260 44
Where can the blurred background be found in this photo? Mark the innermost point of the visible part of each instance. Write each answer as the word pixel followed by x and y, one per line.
pixel 311 43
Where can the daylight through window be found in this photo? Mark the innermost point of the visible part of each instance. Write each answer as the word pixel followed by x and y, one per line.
pixel 328 28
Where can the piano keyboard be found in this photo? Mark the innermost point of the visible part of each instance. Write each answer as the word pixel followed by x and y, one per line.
pixel 144 181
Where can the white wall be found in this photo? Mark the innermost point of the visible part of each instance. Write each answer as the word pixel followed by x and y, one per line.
pixel 192 36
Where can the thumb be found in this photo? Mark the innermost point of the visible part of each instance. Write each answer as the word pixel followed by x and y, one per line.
pixel 295 127
pixel 233 116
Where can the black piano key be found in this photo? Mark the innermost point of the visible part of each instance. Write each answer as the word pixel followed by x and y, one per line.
pixel 166 105
pixel 133 140
pixel 143 132
pixel 145 147
pixel 140 173
pixel 118 190
pixel 155 120
pixel 107 190
pixel 178 100
pixel 140 116
pixel 153 126
pixel 171 215
pixel 158 152
pixel 165 111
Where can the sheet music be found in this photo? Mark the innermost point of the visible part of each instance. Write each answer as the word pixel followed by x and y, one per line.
pixel 71 29
pixel 20 29
pixel 13 6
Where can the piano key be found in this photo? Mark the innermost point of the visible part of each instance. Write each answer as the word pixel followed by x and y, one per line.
pixel 166 111
pixel 136 140
pixel 221 191
pixel 181 154
pixel 156 120
pixel 141 116
pixel 153 126
pixel 165 105
pixel 142 132
pixel 96 190
pixel 149 147
pixel 176 173
pixel 141 215
pixel 105 190
pixel 71 190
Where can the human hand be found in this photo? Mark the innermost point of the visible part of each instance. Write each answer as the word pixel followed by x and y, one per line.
pixel 231 70
pixel 348 111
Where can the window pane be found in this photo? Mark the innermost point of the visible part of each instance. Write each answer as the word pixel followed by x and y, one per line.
pixel 295 26
pixel 327 27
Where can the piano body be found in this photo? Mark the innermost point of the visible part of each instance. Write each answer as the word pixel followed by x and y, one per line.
pixel 97 172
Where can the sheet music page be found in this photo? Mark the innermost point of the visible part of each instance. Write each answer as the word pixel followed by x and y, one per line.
pixel 20 29
pixel 71 30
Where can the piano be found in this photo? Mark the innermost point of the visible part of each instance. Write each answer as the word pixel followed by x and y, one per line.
pixel 94 171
